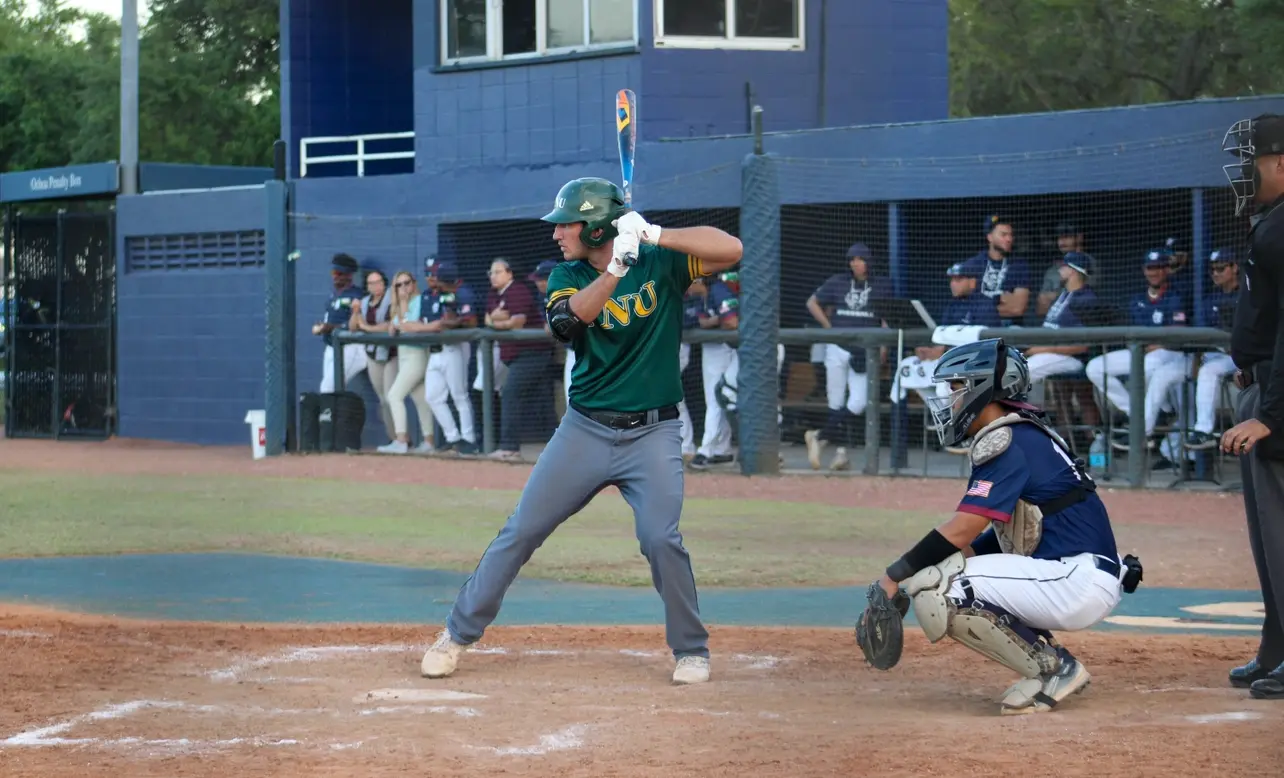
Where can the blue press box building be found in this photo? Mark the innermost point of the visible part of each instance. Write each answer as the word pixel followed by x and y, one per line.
pixel 445 127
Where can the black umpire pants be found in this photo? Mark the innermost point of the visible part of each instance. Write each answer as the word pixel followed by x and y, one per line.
pixel 1264 504
pixel 526 374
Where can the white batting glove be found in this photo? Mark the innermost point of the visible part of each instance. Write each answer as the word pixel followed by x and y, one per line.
pixel 624 254
pixel 633 222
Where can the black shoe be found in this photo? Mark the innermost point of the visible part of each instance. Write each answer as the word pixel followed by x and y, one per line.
pixel 1271 687
pixel 1244 676
pixel 467 448
pixel 721 459
pixel 699 462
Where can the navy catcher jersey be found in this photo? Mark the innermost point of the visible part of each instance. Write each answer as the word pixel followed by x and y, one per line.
pixel 1035 469
pixel 975 310
pixel 338 312
pixel 1067 310
pixel 1167 310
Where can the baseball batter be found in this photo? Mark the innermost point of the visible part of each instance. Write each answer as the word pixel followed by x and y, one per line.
pixel 618 299
pixel 1030 547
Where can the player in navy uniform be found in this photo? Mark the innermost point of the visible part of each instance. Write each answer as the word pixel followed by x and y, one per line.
pixel 1157 306
pixel 1219 311
pixel 1000 575
pixel 1007 279
pixel 967 308
pixel 717 360
pixel 449 304
pixel 338 313
pixel 1074 307
pixel 844 301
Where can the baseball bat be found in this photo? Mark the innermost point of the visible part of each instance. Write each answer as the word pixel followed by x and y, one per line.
pixel 627 128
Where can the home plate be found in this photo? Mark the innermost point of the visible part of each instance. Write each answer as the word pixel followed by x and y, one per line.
pixel 416 695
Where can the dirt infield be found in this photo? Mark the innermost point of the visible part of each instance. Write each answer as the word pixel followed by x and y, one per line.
pixel 93 697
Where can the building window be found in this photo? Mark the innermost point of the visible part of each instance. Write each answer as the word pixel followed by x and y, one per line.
pixel 730 24
pixel 487 30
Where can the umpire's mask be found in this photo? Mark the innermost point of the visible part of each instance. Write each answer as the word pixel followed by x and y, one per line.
pixel 978 374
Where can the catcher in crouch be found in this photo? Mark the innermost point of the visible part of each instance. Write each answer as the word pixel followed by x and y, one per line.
pixel 1028 550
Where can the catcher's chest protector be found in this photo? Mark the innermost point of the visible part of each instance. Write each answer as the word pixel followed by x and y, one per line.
pixel 1022 533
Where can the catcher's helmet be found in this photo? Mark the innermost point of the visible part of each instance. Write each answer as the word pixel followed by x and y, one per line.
pixel 988 371
pixel 595 201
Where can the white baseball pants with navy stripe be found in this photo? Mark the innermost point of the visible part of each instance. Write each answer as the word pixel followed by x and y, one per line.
pixel 1051 594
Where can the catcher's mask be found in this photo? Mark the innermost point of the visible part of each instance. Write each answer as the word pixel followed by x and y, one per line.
pixel 978 374
pixel 1248 139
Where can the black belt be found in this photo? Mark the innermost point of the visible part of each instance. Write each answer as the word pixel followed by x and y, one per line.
pixel 627 420
pixel 434 348
pixel 1106 565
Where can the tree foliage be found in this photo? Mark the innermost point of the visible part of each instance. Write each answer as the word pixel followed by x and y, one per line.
pixel 208 84
pixel 1020 56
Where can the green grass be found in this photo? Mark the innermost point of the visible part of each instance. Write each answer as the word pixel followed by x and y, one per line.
pixel 732 542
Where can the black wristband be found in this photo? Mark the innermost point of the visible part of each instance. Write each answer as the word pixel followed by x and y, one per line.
pixel 931 550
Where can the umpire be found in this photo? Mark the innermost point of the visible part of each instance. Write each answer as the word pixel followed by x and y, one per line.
pixel 1257 347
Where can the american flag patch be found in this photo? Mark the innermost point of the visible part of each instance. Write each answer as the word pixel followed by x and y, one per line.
pixel 980 489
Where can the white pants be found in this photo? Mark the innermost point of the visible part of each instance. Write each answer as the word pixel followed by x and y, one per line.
pixel 499 372
pixel 412 364
pixel 716 359
pixel 1050 594
pixel 914 373
pixel 1212 370
pixel 1103 372
pixel 841 381
pixel 447 377
pixel 1044 365
pixel 354 361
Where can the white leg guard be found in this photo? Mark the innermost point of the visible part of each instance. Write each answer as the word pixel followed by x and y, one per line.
pixel 980 629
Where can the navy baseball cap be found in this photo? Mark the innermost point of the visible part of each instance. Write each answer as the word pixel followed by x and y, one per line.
pixel 859 250
pixel 1223 257
pixel 994 220
pixel 444 271
pixel 1078 261
pixel 1157 258
pixel 965 269
pixel 344 263
pixel 543 270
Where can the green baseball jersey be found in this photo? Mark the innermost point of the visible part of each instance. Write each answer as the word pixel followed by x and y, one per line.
pixel 627 358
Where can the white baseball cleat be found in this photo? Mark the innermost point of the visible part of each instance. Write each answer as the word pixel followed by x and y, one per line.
pixel 814 447
pixel 441 657
pixel 691 669
pixel 1040 695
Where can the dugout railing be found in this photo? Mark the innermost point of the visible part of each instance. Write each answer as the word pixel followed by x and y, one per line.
pixel 1134 339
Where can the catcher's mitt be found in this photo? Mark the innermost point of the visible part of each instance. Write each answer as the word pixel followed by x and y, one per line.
pixel 880 630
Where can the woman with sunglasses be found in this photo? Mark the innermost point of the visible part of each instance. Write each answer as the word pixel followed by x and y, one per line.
pixel 403 316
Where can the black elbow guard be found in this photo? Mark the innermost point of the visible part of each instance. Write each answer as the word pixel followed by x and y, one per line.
pixel 563 322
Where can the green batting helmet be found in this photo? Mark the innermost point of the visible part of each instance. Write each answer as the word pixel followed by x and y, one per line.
pixel 595 201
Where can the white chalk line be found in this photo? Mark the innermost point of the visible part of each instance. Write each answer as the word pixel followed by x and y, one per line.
pixel 319 653
pixel 566 739
pixel 1218 718
pixel 462 712
pixel 24 633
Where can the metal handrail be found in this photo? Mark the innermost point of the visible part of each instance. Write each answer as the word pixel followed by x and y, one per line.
pixel 1134 339
pixel 361 157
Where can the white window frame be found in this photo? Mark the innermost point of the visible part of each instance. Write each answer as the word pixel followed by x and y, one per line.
pixel 495 36
pixel 730 40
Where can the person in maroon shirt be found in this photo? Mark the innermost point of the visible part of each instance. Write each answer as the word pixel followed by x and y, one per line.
pixel 512 305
